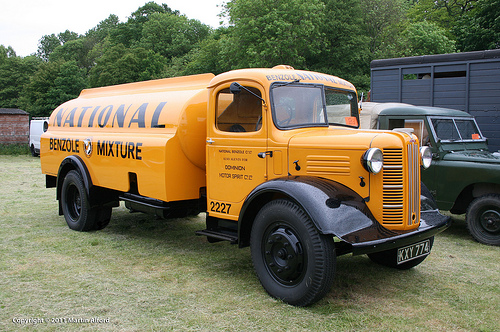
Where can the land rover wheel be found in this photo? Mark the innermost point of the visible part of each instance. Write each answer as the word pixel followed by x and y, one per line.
pixel 483 219
pixel 293 261
pixel 75 203
pixel 389 258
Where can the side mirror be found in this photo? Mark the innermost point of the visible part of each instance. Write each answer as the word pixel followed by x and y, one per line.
pixel 235 88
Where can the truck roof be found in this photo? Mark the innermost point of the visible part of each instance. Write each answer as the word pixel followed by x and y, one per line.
pixel 281 73
pixel 371 111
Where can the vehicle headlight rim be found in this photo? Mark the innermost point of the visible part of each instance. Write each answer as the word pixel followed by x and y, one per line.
pixel 425 156
pixel 373 160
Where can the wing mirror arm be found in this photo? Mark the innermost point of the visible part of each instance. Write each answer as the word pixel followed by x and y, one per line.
pixel 235 89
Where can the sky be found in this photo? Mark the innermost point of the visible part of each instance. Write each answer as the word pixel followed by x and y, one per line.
pixel 24 22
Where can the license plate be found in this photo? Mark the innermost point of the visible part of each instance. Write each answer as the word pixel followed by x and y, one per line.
pixel 414 251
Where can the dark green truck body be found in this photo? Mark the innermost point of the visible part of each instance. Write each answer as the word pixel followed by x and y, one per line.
pixel 464 176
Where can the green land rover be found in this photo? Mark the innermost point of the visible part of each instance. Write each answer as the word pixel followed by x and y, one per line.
pixel 464 176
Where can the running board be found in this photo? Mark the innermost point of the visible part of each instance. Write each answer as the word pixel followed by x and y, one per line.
pixel 214 236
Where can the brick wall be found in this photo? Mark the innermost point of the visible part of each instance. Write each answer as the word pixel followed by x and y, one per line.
pixel 14 128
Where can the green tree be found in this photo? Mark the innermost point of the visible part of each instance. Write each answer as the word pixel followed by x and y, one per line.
pixel 383 22
pixel 46 45
pixel 120 65
pixel 344 44
pixel 209 57
pixel 444 13
pixel 480 29
pixel 129 33
pixel 15 72
pixel 76 50
pixel 172 35
pixel 270 32
pixel 51 85
pixel 426 38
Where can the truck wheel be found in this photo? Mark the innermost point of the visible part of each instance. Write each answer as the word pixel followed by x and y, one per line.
pixel 75 203
pixel 389 258
pixel 483 219
pixel 293 261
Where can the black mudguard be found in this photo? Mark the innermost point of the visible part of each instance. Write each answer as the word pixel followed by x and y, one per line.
pixel 339 211
pixel 70 163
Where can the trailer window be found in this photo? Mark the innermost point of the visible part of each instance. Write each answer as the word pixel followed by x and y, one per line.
pixel 240 112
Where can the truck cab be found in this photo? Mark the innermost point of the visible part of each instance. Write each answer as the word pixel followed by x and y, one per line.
pixel 274 157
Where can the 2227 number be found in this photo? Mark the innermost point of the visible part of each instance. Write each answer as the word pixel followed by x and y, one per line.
pixel 220 207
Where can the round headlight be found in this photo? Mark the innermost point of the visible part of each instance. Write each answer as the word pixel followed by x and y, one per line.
pixel 373 160
pixel 426 156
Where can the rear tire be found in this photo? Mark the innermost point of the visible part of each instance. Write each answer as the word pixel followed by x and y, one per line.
pixel 293 261
pixel 483 219
pixel 75 204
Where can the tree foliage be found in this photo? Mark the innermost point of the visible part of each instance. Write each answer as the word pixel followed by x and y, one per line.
pixel 51 85
pixel 270 32
pixel 426 38
pixel 339 37
pixel 480 28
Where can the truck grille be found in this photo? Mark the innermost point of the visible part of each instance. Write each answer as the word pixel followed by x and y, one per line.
pixel 414 184
pixel 394 187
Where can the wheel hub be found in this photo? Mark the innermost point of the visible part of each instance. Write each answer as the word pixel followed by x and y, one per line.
pixel 284 256
pixel 75 202
pixel 490 221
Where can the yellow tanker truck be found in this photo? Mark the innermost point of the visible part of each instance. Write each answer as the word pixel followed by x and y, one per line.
pixel 273 156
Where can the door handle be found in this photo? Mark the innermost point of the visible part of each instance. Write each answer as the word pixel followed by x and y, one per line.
pixel 210 141
pixel 264 154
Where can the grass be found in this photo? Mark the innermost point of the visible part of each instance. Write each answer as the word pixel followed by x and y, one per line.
pixel 144 274
pixel 14 149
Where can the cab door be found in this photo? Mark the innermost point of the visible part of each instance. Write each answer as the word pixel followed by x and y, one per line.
pixel 236 148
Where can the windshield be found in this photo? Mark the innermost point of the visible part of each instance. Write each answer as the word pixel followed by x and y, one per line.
pixel 302 105
pixel 452 129
pixel 341 107
pixel 298 105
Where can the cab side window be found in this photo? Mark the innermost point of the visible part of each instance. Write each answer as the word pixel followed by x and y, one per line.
pixel 240 112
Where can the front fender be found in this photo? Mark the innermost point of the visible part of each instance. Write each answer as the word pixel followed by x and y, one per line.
pixel 339 211
pixel 334 208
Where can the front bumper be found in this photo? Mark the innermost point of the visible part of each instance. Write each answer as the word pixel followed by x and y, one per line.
pixel 378 238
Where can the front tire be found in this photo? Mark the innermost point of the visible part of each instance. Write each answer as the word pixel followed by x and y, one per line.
pixel 75 204
pixel 483 219
pixel 293 261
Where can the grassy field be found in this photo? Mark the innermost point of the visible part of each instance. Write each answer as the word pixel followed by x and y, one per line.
pixel 144 274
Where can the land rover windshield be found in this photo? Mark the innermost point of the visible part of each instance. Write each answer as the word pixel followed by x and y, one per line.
pixel 297 105
pixel 454 129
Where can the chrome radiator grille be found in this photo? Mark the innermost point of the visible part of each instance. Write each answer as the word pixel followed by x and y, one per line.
pixel 413 183
pixel 394 198
pixel 393 190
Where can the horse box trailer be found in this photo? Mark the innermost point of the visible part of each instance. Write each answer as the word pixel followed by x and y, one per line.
pixel 468 81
